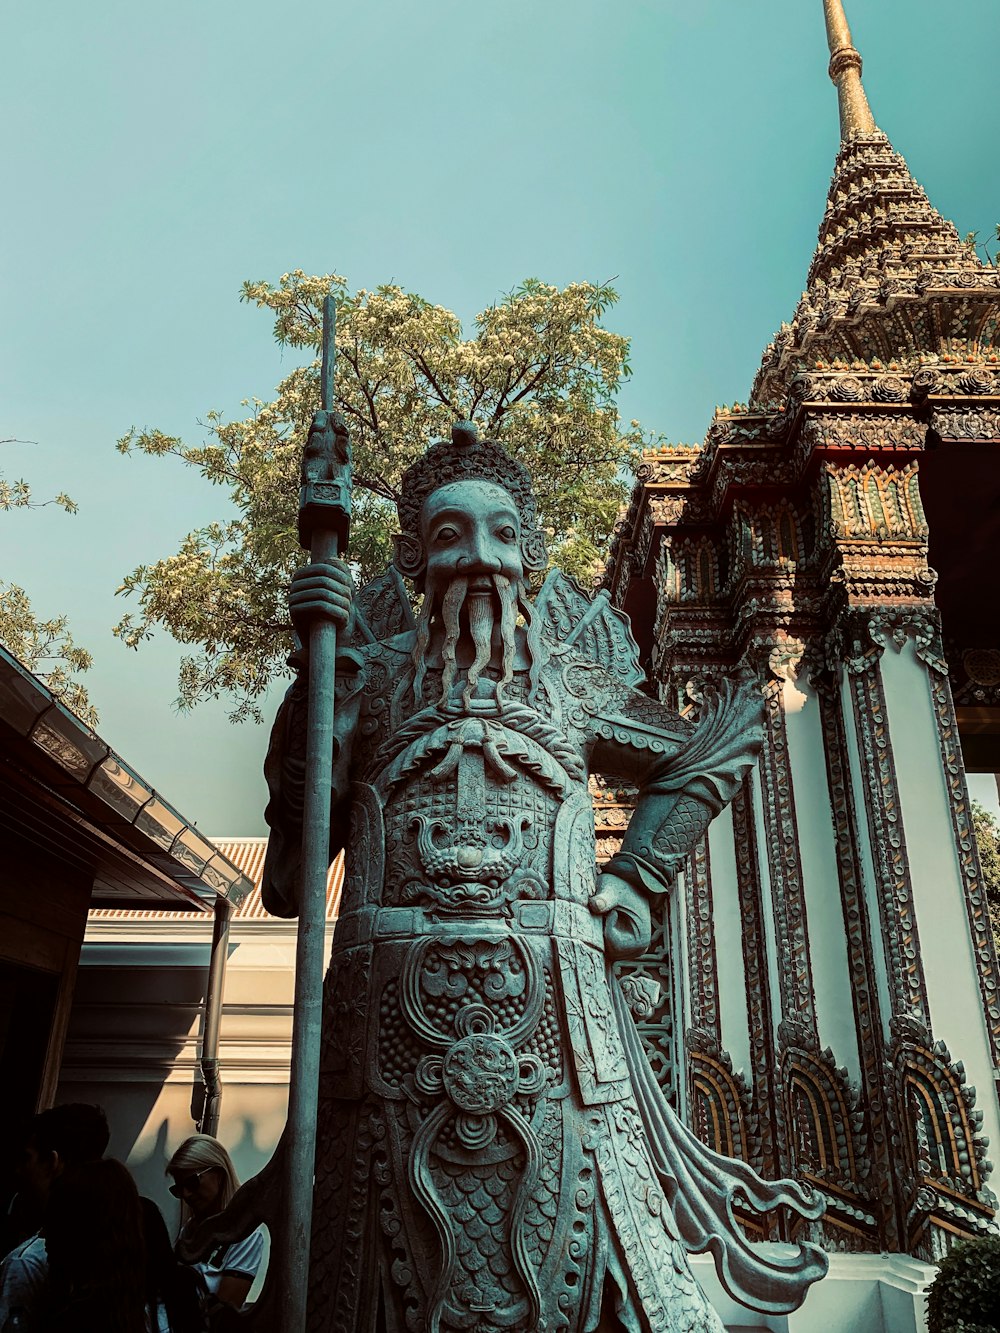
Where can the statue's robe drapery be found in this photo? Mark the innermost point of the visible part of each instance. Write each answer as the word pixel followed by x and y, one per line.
pixel 493 1151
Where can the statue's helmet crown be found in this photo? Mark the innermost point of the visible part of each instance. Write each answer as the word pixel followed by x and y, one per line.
pixel 466 456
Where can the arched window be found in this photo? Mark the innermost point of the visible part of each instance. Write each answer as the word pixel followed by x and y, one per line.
pixel 787 545
pixel 853 509
pixel 933 1126
pixel 705 578
pixel 710 1116
pixel 808 1139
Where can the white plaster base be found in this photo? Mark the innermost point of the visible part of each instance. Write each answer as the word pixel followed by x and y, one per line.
pixel 862 1293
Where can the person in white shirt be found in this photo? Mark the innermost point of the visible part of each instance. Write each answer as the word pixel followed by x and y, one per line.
pixel 59 1137
pixel 22 1282
pixel 205 1181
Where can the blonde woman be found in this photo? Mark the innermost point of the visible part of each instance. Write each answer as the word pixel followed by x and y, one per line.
pixel 205 1180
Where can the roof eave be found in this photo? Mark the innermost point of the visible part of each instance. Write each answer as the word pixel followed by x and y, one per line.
pixel 88 776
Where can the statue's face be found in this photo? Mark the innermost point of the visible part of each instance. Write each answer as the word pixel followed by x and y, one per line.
pixel 470 529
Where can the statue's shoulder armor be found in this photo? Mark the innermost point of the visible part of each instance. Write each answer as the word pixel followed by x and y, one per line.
pixel 580 689
pixel 383 686
pixel 589 626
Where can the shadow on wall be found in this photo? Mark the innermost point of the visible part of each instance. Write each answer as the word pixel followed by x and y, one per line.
pixel 250 1140
pixel 133 1036
pixel 134 1040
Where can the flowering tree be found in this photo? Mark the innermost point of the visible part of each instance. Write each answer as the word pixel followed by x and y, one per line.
pixel 45 647
pixel 987 833
pixel 539 373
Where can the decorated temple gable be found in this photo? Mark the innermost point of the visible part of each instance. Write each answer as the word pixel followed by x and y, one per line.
pixel 826 537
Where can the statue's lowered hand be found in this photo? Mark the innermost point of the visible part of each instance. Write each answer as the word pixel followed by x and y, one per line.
pixel 320 591
pixel 626 917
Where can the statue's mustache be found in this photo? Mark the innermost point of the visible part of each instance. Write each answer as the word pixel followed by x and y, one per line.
pixel 483 613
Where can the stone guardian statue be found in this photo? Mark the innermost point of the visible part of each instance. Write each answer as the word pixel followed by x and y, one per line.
pixel 494 1154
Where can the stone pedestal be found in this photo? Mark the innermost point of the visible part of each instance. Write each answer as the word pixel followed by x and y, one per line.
pixel 862 1293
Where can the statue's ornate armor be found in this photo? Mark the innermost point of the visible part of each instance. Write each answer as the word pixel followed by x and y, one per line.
pixel 489 1152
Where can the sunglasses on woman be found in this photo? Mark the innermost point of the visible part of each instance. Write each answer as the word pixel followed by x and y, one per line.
pixel 190 1182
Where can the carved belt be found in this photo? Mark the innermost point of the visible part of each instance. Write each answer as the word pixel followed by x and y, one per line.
pixel 571 920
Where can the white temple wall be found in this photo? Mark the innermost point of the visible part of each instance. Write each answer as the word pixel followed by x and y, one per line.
pixel 767 902
pixel 859 783
pixel 950 968
pixel 821 884
pixel 728 925
pixel 134 1038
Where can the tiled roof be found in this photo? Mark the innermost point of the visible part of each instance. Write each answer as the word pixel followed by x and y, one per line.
pixel 247 854
pixel 64 789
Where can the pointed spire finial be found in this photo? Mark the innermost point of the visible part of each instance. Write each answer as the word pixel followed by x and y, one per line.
pixel 845 71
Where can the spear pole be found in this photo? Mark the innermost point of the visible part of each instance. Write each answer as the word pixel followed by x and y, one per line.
pixel 324 518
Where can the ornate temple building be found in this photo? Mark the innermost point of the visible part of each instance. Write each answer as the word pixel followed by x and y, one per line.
pixel 827 999
pixel 830 1007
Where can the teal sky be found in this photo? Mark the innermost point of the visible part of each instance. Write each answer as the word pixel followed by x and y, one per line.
pixel 155 156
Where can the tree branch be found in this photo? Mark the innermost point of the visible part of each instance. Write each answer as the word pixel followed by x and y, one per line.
pixel 501 409
pixel 428 374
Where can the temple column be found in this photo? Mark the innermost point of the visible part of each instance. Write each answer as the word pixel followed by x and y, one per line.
pixel 760 1024
pixel 862 974
pixel 938 980
pixel 821 1126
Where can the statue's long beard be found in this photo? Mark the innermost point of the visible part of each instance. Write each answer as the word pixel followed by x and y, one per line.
pixel 451 611
pixel 481 614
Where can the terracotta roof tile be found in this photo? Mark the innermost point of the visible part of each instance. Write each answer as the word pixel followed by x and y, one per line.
pixel 247 854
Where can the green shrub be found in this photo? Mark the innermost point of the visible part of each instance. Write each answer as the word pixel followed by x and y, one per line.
pixel 965 1295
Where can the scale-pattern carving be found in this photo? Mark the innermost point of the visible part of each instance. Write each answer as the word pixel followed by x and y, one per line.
pixel 479 1201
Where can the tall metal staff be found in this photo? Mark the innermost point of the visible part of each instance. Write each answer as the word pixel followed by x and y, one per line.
pixel 324 524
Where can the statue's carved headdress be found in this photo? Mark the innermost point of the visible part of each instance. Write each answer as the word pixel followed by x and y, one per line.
pixel 464 457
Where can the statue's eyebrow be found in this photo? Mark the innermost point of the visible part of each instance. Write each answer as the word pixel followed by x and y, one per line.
pixel 506 512
pixel 451 513
pixel 447 514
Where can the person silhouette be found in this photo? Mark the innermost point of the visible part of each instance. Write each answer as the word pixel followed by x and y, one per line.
pixel 59 1138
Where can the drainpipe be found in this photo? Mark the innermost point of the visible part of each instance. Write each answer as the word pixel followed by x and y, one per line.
pixel 213 1018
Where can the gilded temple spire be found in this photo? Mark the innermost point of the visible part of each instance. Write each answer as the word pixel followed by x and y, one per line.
pixel 845 71
pixel 884 254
